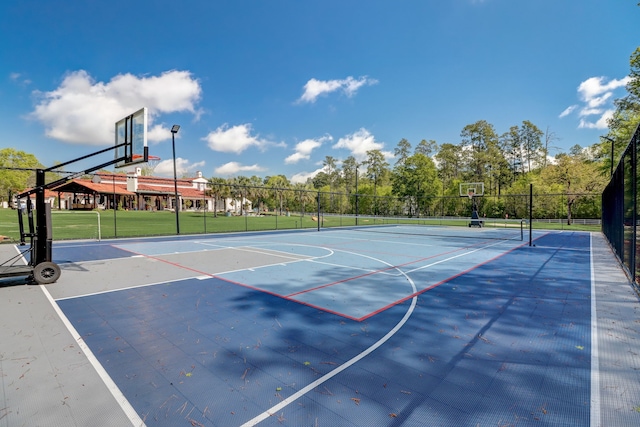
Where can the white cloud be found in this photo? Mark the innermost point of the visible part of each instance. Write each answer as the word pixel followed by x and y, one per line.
pixel 233 168
pixel 234 139
pixel 157 133
pixel 303 149
pixel 349 86
pixel 183 167
pixel 590 112
pixel 594 87
pixel 596 94
pixel 301 178
pixel 568 111
pixel 601 123
pixel 83 111
pixel 359 142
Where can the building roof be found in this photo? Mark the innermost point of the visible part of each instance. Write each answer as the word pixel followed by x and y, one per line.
pixel 47 194
pixel 80 185
pixel 117 183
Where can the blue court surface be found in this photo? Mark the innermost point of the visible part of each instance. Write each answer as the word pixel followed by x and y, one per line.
pixel 338 328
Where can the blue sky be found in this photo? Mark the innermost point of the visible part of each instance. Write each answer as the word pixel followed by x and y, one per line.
pixel 272 87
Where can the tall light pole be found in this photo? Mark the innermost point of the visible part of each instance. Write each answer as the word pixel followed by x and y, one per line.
pixel 357 194
pixel 176 207
pixel 613 143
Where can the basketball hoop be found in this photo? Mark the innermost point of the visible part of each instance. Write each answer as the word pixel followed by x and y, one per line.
pixel 472 190
pixel 138 158
pixel 152 161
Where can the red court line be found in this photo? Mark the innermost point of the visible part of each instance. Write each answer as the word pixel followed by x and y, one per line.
pixel 360 319
pixel 244 285
pixel 443 281
pixel 382 270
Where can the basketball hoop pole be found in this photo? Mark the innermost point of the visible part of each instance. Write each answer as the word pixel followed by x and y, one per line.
pixel 41 240
pixel 176 207
pixel 530 214
pixel 474 203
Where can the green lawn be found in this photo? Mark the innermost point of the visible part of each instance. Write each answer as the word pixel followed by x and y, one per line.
pixel 84 224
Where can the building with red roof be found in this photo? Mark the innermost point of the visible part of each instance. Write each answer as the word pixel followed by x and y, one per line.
pixel 136 191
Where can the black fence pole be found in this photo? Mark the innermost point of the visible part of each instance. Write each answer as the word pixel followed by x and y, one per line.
pixel 634 197
pixel 243 198
pixel 530 213
pixel 318 211
pixel 115 227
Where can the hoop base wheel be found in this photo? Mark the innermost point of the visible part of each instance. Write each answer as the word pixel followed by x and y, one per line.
pixel 46 273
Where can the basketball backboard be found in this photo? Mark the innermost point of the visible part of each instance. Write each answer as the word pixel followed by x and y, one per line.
pixel 131 139
pixel 471 189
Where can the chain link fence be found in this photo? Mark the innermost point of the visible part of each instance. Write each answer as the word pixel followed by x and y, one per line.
pixel 241 208
pixel 620 209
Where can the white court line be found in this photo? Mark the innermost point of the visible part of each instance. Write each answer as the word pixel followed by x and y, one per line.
pixel 271 252
pixel 281 264
pixel 595 363
pixel 326 377
pixel 199 276
pixel 453 257
pixel 350 267
pixel 166 282
pixel 108 291
pixel 395 242
pixel 397 267
pixel 265 245
pixel 104 376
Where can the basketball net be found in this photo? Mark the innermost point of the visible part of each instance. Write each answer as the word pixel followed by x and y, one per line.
pixel 152 161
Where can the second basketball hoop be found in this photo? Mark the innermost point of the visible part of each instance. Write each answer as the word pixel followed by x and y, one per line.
pixel 473 190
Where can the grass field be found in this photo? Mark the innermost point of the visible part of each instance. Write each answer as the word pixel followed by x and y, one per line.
pixel 109 224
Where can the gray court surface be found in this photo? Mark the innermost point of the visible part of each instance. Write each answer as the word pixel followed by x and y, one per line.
pixel 46 378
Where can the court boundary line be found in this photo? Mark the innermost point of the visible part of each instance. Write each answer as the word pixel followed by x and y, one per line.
pixel 275 253
pixel 373 229
pixel 115 391
pixel 166 282
pixel 595 415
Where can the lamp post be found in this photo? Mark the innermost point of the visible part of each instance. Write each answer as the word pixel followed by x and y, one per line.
pixel 176 207
pixel 612 150
pixel 357 194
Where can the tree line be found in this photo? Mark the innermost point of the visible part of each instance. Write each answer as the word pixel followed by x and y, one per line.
pixel 424 179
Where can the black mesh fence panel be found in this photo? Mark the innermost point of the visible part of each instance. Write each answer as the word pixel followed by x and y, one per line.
pixel 620 209
pixel 235 207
